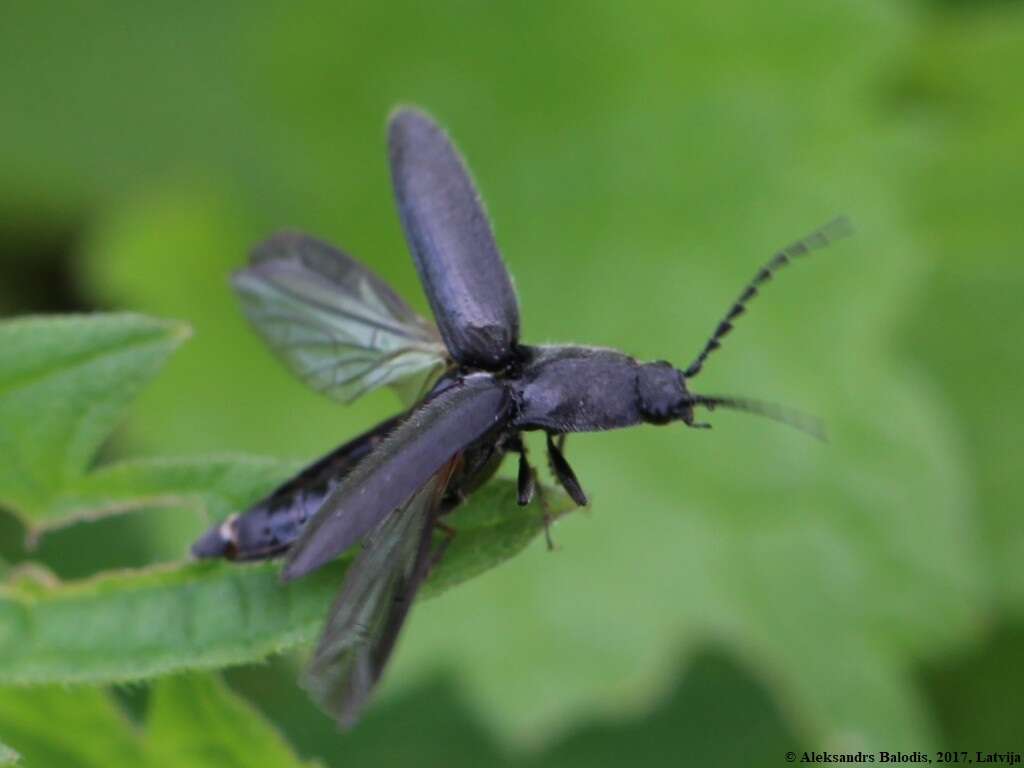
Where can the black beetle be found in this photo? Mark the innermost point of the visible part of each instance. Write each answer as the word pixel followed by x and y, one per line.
pixel 476 388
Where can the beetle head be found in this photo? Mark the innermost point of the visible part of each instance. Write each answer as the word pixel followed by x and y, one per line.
pixel 664 398
pixel 663 395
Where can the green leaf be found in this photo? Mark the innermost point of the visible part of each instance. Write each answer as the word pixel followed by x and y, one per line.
pixel 966 197
pixel 962 688
pixel 132 625
pixel 63 385
pixel 213 485
pixel 193 720
pixel 76 728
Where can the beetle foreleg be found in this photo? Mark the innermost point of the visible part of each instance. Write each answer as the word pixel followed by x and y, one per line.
pixel 563 472
pixel 526 479
pixel 529 485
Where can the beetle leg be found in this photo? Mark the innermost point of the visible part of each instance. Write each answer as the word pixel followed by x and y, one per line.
pixel 442 547
pixel 526 480
pixel 448 531
pixel 529 485
pixel 452 499
pixel 561 469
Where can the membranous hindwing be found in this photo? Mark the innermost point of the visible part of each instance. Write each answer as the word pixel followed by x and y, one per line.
pixel 379 589
pixel 335 324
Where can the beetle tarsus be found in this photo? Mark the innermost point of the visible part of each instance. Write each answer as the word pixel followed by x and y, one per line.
pixel 526 481
pixel 548 518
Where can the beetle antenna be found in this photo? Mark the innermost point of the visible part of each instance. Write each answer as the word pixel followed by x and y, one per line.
pixel 806 423
pixel 834 230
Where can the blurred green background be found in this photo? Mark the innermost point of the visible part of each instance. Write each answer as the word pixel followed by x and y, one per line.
pixel 732 594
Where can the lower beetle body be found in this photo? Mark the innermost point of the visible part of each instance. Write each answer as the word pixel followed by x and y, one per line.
pixel 554 389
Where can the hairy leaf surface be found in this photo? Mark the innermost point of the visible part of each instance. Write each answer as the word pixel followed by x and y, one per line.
pixel 131 625
pixel 64 382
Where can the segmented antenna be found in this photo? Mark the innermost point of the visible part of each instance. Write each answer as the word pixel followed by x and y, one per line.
pixel 793 418
pixel 834 230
